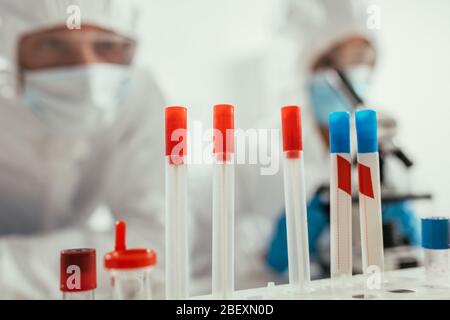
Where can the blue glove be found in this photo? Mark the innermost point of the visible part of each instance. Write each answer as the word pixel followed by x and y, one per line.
pixel 277 256
pixel 402 215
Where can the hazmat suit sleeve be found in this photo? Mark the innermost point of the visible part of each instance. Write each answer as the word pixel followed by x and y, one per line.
pixel 29 265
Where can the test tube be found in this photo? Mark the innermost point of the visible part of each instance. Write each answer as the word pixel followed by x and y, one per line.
pixel 370 196
pixel 340 199
pixel 177 249
pixel 223 203
pixel 436 244
pixel 78 274
pixel 129 269
pixel 295 198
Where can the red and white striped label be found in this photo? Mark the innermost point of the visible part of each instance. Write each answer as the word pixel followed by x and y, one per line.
pixel 370 211
pixel 341 214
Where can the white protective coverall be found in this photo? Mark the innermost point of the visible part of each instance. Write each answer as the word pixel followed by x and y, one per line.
pixel 50 185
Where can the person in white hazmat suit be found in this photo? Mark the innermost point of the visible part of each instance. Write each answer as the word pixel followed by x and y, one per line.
pixel 328 35
pixel 308 29
pixel 82 135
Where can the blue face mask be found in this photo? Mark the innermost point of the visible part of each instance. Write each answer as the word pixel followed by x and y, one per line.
pixel 326 99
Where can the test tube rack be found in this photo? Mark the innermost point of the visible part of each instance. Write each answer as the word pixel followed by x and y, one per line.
pixel 405 284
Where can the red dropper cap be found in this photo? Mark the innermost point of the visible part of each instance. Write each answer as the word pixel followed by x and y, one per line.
pixel 224 130
pixel 176 133
pixel 123 258
pixel 78 271
pixel 291 120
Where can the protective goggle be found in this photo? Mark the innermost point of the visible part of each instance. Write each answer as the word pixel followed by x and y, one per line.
pixel 106 46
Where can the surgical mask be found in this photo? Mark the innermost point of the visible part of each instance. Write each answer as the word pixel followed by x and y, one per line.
pixel 77 100
pixel 326 99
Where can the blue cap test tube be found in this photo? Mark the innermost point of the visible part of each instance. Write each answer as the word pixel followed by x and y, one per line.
pixel 340 200
pixel 436 244
pixel 369 191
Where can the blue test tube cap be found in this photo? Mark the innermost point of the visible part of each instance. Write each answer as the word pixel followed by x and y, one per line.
pixel 366 131
pixel 339 132
pixel 436 233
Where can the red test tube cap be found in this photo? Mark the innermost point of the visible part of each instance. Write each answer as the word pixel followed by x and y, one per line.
pixel 291 121
pixel 124 258
pixel 223 124
pixel 78 270
pixel 176 132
